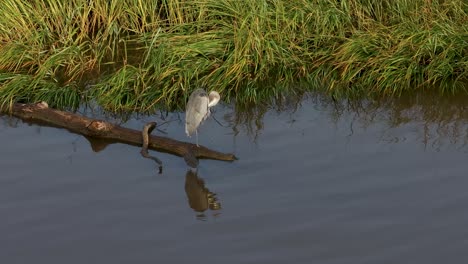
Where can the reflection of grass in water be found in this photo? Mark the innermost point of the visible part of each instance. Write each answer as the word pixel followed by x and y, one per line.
pixel 140 55
pixel 437 119
pixel 440 119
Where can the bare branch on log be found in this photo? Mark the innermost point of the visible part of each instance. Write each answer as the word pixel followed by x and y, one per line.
pixel 75 123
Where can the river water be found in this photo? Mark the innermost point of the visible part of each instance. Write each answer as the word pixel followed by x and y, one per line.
pixel 317 181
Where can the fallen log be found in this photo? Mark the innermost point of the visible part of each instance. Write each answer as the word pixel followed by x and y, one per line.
pixel 40 112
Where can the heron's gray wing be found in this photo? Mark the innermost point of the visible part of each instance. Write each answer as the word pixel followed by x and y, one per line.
pixel 196 110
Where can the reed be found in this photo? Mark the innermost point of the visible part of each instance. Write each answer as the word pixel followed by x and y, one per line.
pixel 141 55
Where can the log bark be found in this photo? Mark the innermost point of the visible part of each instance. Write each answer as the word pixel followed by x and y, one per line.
pixel 94 128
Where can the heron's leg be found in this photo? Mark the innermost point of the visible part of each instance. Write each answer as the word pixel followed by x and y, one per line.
pixel 196 137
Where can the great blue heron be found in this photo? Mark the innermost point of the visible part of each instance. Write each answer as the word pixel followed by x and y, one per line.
pixel 198 109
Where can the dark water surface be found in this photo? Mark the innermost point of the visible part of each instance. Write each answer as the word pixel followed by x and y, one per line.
pixel 316 182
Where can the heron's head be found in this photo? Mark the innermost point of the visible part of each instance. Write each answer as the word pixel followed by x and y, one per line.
pixel 214 98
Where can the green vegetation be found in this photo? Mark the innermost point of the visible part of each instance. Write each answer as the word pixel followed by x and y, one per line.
pixel 139 55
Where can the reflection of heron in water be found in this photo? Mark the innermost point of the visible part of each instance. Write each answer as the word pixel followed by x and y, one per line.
pixel 199 197
pixel 198 109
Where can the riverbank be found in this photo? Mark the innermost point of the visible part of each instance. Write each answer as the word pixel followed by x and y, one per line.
pixel 143 55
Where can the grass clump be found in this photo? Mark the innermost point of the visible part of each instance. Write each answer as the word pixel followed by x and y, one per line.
pixel 139 55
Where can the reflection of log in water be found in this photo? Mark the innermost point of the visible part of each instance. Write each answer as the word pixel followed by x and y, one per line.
pixel 144 150
pixel 199 197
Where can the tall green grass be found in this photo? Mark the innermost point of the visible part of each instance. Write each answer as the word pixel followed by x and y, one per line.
pixel 140 55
